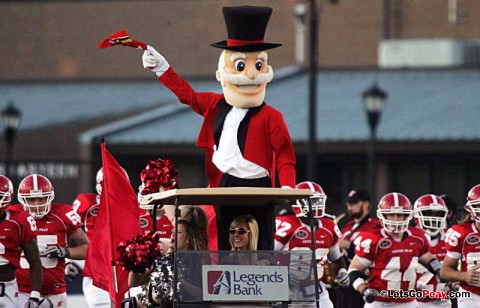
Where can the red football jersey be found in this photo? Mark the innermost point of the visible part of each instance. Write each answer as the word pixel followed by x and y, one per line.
pixel 291 234
pixel 427 280
pixel 53 229
pixel 164 226
pixel 463 242
pixel 393 264
pixel 17 229
pixel 351 230
pixel 86 205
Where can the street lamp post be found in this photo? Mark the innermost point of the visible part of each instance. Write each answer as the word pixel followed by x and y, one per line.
pixel 374 100
pixel 11 120
pixel 312 88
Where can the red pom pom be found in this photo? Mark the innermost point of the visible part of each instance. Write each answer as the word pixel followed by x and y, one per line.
pixel 158 175
pixel 138 254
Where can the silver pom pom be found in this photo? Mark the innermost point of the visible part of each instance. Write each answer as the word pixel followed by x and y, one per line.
pixel 161 279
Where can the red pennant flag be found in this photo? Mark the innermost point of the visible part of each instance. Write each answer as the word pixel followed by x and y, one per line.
pixel 117 222
pixel 121 38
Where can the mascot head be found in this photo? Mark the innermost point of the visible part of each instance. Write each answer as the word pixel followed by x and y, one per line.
pixel 242 67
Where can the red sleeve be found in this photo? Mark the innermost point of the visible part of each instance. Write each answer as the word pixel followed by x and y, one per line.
pixel 200 102
pixel 83 202
pixel 284 229
pixel 454 239
pixel 28 227
pixel 69 217
pixel 365 245
pixel 332 227
pixel 337 234
pixel 426 247
pixel 284 153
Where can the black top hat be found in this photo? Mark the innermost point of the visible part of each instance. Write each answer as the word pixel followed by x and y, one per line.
pixel 246 27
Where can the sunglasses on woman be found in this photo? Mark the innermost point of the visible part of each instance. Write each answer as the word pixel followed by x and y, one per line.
pixel 240 231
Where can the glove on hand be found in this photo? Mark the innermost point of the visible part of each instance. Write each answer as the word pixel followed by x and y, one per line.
pixel 454 286
pixel 370 295
pixel 153 60
pixel 32 303
pixel 294 280
pixel 71 271
pixel 56 252
pixel 343 280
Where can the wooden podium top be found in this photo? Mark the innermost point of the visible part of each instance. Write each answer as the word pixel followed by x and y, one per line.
pixel 227 196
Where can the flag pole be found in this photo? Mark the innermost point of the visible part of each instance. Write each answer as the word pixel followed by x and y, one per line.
pixel 104 191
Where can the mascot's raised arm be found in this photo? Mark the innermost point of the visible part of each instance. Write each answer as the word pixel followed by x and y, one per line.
pixel 246 141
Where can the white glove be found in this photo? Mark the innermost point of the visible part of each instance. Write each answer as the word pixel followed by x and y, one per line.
pixel 454 286
pixel 56 252
pixel 71 271
pixel 369 295
pixel 343 279
pixel 34 300
pixel 154 61
pixel 32 303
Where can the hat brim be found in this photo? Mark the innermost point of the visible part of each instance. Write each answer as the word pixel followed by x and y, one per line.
pixel 246 48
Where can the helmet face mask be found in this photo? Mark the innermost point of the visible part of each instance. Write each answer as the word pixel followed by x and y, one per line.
pixel 474 209
pixel 36 194
pixel 318 200
pixel 473 202
pixel 6 191
pixel 394 225
pixel 391 204
pixel 430 212
pixel 37 207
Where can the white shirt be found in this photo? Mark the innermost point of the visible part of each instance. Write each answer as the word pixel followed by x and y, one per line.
pixel 227 157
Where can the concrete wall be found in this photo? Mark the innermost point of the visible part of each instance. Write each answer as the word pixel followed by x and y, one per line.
pixel 56 39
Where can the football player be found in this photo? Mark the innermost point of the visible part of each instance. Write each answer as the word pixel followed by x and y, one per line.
pixel 293 233
pixel 391 254
pixel 462 243
pixel 17 233
pixel 59 236
pixel 358 205
pixel 430 214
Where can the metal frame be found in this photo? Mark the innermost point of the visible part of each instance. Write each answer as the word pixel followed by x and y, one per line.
pixel 230 196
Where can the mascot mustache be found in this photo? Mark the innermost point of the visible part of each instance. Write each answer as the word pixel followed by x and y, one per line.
pixel 242 80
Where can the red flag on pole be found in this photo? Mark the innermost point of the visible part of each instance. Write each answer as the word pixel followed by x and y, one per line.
pixel 117 221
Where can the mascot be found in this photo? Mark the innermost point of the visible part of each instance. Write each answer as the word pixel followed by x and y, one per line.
pixel 246 141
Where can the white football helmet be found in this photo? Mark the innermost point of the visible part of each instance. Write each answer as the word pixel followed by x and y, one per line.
pixel 430 213
pixel 318 201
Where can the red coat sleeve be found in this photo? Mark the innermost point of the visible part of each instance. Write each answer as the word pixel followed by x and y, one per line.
pixel 200 102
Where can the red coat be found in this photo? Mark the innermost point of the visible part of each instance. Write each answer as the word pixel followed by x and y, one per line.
pixel 267 143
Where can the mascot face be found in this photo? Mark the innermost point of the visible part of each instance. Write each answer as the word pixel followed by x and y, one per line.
pixel 244 77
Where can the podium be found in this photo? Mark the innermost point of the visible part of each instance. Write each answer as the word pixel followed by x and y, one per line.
pixel 245 278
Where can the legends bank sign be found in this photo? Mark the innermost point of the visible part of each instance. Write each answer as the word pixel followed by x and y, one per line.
pixel 245 283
